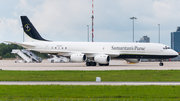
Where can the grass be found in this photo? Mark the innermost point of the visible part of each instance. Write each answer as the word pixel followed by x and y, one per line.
pixel 122 75
pixel 75 92
pixel 91 92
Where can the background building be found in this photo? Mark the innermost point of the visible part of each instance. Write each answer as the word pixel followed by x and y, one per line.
pixel 175 43
pixel 175 40
pixel 144 39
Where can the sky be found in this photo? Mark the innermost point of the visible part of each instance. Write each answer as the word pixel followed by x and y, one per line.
pixel 67 20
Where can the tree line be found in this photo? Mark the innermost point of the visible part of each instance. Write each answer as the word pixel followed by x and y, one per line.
pixel 6 49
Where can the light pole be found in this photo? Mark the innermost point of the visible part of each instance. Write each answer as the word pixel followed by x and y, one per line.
pixel 133 26
pixel 159 33
pixel 88 32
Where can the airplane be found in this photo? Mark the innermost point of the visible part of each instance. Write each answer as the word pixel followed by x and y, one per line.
pixel 93 53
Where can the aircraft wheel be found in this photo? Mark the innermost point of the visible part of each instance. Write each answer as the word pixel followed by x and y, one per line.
pixel 103 64
pixel 93 63
pixel 52 61
pixel 100 64
pixel 161 64
pixel 88 64
pixel 107 64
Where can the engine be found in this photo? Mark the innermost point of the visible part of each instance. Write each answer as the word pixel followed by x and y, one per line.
pixel 78 57
pixel 133 60
pixel 102 59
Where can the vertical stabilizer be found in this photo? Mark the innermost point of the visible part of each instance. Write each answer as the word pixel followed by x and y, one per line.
pixel 31 34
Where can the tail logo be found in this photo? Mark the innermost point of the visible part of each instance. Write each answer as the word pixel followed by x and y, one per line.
pixel 27 28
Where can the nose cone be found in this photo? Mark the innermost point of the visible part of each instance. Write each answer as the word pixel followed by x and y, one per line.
pixel 174 53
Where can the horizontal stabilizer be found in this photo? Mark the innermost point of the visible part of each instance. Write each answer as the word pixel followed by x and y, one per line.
pixel 21 44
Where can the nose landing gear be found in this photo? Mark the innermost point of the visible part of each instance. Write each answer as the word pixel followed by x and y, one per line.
pixel 161 63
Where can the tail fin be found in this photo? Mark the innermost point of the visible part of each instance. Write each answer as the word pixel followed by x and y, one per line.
pixel 31 34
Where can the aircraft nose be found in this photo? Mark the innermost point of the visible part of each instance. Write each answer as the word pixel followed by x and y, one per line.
pixel 175 53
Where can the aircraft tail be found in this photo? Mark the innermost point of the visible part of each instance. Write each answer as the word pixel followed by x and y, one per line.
pixel 31 34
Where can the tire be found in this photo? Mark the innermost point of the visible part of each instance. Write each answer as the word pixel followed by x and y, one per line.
pixel 106 64
pixel 161 64
pixel 103 64
pixel 100 64
pixel 93 63
pixel 88 64
pixel 52 61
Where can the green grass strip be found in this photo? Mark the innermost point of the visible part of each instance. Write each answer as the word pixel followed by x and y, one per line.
pixel 119 75
pixel 30 92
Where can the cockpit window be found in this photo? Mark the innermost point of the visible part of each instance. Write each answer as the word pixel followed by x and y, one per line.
pixel 166 47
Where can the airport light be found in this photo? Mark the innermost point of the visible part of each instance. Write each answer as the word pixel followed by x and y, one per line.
pixel 133 26
pixel 88 32
pixel 159 33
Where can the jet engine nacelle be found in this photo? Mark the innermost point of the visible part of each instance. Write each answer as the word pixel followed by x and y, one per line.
pixel 78 57
pixel 133 60
pixel 102 59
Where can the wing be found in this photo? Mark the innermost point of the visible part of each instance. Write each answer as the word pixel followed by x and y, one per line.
pixel 21 44
pixel 63 52
pixel 69 53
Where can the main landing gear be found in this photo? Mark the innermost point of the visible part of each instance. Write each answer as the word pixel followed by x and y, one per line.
pixel 91 63
pixel 94 64
pixel 161 63
pixel 103 64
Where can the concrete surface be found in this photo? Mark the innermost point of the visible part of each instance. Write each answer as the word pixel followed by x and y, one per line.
pixel 114 65
pixel 84 83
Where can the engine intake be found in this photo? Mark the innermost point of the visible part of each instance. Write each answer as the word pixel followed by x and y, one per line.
pixel 78 57
pixel 102 59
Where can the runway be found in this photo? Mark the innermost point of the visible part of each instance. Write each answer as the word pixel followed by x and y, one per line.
pixel 84 83
pixel 114 65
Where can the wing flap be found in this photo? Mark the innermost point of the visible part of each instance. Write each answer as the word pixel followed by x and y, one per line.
pixel 104 53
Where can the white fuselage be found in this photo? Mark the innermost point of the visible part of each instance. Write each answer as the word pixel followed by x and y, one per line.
pixel 113 49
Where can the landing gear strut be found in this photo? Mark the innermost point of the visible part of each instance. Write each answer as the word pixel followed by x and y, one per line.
pixel 161 63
